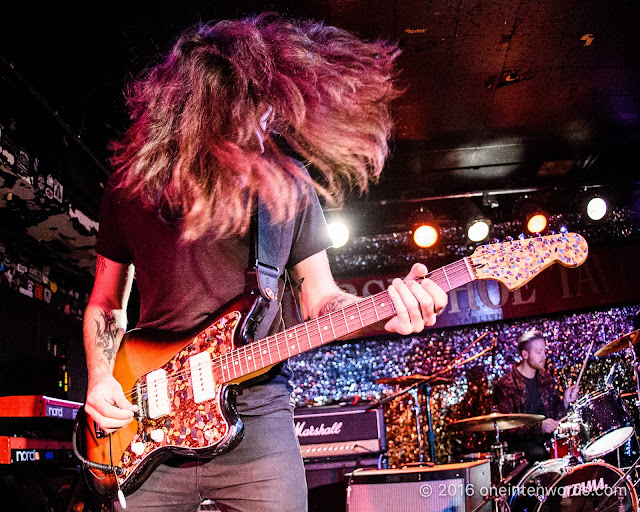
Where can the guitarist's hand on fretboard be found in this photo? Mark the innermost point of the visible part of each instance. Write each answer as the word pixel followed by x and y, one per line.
pixel 416 301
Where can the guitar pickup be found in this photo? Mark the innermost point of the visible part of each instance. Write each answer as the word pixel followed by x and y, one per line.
pixel 158 394
pixel 202 382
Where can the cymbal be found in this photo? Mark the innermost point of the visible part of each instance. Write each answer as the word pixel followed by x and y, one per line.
pixel 621 343
pixel 489 422
pixel 407 380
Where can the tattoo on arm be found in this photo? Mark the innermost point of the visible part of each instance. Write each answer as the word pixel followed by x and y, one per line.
pixel 101 264
pixel 297 284
pixel 337 302
pixel 106 336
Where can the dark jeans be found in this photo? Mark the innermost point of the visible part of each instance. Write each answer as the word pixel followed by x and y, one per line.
pixel 263 473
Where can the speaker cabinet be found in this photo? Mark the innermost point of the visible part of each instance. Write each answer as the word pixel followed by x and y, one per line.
pixel 450 488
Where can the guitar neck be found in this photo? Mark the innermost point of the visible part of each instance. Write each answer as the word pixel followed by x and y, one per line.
pixel 312 334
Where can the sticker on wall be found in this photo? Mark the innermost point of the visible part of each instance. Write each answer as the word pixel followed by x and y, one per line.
pixel 23 163
pixel 54 287
pixel 7 154
pixel 38 291
pixel 28 289
pixel 57 191
pixel 47 295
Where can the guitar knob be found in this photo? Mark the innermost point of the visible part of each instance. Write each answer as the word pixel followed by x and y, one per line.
pixel 137 448
pixel 157 435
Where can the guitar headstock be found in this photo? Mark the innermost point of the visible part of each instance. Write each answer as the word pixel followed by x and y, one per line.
pixel 516 262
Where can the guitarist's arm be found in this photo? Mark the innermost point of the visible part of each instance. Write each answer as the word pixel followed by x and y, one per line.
pixel 416 303
pixel 104 324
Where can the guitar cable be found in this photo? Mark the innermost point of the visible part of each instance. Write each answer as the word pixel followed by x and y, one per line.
pixel 105 468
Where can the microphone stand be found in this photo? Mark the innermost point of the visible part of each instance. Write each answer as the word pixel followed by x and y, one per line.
pixel 423 387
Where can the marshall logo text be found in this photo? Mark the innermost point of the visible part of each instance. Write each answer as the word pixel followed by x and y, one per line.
pixel 312 431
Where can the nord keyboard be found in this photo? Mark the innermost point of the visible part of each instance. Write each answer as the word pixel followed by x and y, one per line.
pixel 37 406
pixel 22 450
pixel 340 432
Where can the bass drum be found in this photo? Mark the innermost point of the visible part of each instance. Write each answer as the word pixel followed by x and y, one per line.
pixel 556 486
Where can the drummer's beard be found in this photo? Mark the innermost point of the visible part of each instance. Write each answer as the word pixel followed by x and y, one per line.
pixel 537 364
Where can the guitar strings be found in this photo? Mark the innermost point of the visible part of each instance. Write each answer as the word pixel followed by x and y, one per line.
pixel 363 309
pixel 444 279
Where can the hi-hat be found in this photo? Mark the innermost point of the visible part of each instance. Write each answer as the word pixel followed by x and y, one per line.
pixel 408 380
pixel 495 420
pixel 621 343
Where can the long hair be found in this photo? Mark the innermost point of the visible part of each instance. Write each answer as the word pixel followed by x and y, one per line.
pixel 196 148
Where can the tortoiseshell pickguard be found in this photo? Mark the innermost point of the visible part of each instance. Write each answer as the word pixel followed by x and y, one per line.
pixel 189 425
pixel 514 263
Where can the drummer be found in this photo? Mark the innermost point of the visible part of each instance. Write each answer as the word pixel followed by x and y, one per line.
pixel 527 388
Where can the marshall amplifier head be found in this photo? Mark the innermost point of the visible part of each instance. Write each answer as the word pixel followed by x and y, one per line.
pixel 340 432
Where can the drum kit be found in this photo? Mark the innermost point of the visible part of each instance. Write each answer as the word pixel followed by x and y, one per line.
pixel 575 478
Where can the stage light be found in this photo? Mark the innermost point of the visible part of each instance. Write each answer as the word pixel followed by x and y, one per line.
pixel 425 236
pixel 470 216
pixel 537 222
pixel 339 233
pixel 478 230
pixel 596 208
pixel 425 229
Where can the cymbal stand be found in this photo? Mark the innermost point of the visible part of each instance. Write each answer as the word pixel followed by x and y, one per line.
pixel 417 412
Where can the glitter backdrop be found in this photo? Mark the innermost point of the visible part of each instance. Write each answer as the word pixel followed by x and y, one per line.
pixel 341 371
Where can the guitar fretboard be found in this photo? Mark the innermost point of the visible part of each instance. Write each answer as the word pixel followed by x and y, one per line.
pixel 314 333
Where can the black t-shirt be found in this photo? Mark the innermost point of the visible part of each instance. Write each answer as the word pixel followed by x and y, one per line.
pixel 182 284
pixel 533 403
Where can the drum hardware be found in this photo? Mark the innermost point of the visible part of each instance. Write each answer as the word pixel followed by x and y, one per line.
pixel 422 385
pixel 595 486
pixel 418 385
pixel 499 496
pixel 496 421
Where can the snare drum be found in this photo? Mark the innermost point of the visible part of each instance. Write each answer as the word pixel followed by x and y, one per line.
pixel 556 486
pixel 605 423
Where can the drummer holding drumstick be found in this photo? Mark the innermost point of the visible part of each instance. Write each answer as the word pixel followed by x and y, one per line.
pixel 527 388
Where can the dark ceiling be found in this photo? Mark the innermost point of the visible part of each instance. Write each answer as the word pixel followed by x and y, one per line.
pixel 501 95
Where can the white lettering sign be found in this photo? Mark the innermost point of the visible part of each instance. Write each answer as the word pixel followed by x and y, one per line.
pixel 311 431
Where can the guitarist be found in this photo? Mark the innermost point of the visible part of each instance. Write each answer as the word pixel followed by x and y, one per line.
pixel 202 144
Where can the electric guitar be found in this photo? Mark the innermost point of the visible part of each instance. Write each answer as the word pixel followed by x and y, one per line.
pixel 183 385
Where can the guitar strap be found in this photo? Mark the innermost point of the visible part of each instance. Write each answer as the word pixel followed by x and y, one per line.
pixel 270 245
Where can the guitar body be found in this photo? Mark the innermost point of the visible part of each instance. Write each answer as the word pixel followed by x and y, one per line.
pixel 189 427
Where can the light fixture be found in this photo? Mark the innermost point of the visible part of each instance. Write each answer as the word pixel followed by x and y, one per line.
pixel 535 218
pixel 477 224
pixel 339 233
pixel 425 230
pixel 537 222
pixel 596 208
pixel 425 236
pixel 478 230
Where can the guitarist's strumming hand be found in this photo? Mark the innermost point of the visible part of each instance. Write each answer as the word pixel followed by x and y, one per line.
pixel 103 328
pixel 107 405
pixel 417 302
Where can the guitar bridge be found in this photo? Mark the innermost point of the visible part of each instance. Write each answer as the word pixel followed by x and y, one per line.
pixel 138 398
